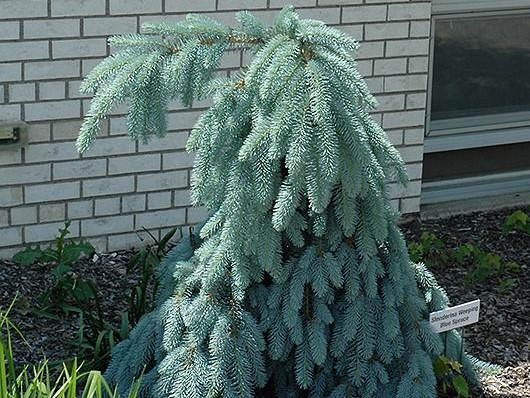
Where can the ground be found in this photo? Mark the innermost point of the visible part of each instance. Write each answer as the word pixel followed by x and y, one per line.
pixel 502 336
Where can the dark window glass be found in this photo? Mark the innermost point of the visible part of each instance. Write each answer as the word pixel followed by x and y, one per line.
pixel 481 66
pixel 476 161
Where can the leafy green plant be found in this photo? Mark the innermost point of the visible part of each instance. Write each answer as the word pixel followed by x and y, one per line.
pixel 63 253
pixel 144 263
pixel 517 221
pixel 430 249
pixel 72 294
pixel 483 265
pixel 42 381
pixel 449 376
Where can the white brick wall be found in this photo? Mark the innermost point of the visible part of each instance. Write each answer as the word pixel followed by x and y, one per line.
pixel 47 46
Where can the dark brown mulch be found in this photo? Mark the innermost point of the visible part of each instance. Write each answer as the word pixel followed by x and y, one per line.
pixel 54 337
pixel 501 336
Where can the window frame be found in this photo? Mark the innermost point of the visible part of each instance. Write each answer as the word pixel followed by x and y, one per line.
pixel 487 130
pixel 454 6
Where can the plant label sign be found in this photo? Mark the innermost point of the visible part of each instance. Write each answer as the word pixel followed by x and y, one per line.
pixel 455 317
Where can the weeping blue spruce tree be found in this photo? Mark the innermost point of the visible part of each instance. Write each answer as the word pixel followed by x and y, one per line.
pixel 299 283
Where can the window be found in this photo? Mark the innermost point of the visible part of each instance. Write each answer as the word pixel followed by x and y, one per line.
pixel 478 122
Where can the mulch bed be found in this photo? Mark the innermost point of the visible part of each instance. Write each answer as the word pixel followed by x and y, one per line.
pixel 502 335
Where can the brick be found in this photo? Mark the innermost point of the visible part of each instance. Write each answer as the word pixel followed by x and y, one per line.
pixel 365 67
pixel 24 9
pixel 53 110
pixel 242 4
pixel 356 31
pixel 132 203
pixel 135 6
pixel 159 200
pixel 390 66
pixel 177 160
pixel 189 6
pixel 409 11
pixel 407 47
pixel 176 140
pixel 11 72
pixel 330 16
pixel 387 30
pixel 10 196
pixel 414 170
pixel 372 13
pixel 23 92
pixel 111 146
pixel 182 197
pixel 8 253
pixel 108 186
pixel 403 119
pixel 4 218
pixel 51 192
pixel 21 50
pixel 338 2
pixel 53 151
pixel 100 244
pixel 411 153
pixel 375 84
pixel 127 241
pixel 372 49
pixel 10 112
pixel 395 136
pixel 51 70
pixel 52 90
pixel 12 156
pixel 410 205
pixel 107 206
pixel 52 212
pixel 79 48
pixel 73 90
pixel 161 218
pixel 10 236
pixel 295 3
pixel 66 130
pixel 107 26
pixel 405 83
pixel 196 215
pixel 63 8
pixel 418 64
pixel 416 100
pixel 48 232
pixel 231 59
pixel 79 209
pixel 414 136
pixel 25 174
pixel 133 164
pixel 390 102
pixel 182 120
pixel 9 30
pixel 79 168
pixel 24 215
pixel 399 191
pixel 51 28
pixel 88 64
pixel 161 181
pixel 107 225
pixel 420 28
